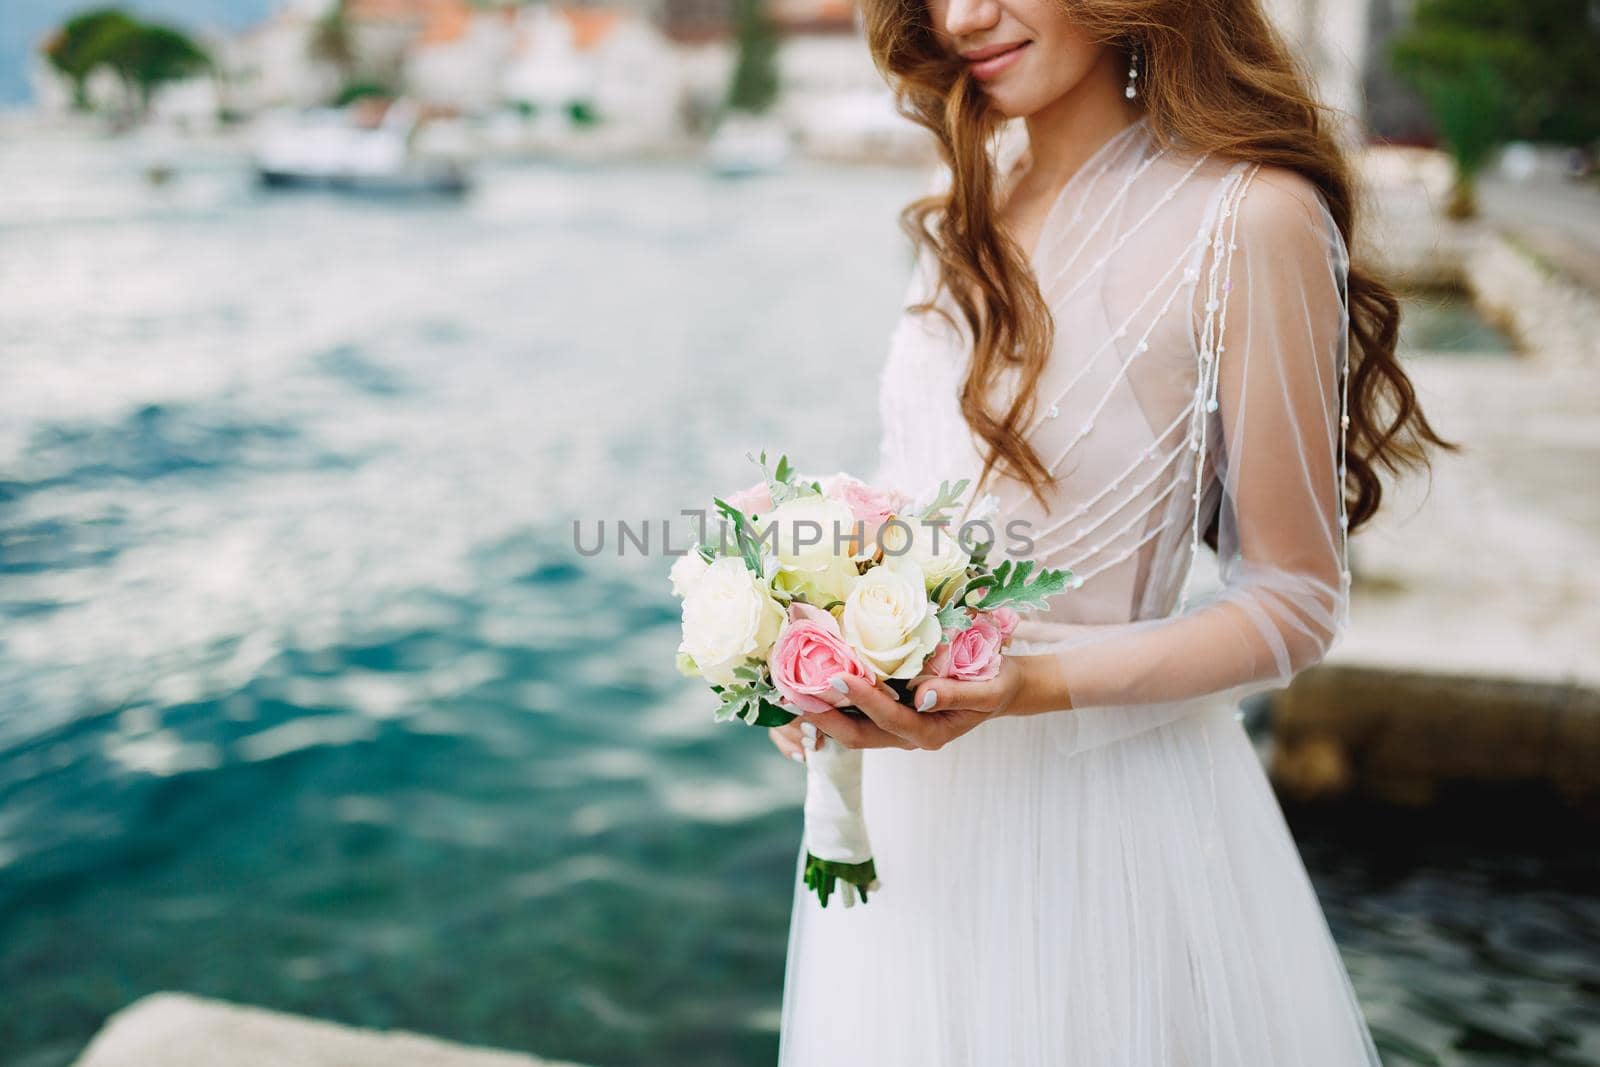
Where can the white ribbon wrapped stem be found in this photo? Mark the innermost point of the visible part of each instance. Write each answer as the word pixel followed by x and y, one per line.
pixel 835 829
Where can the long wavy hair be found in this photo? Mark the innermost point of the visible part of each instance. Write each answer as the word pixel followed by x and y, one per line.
pixel 1217 76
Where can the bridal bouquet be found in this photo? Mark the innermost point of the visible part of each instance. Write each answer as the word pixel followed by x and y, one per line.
pixel 812 579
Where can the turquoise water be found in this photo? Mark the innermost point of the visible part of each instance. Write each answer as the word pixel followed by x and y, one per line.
pixel 1446 321
pixel 306 701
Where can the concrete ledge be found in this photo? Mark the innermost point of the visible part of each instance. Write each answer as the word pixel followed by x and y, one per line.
pixel 1402 737
pixel 180 1030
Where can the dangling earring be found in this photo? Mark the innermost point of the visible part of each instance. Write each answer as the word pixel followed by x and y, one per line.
pixel 1133 72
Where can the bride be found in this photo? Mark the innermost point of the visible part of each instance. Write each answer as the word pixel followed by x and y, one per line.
pixel 1141 333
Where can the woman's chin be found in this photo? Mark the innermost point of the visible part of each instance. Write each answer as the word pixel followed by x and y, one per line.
pixel 1010 105
pixel 1016 97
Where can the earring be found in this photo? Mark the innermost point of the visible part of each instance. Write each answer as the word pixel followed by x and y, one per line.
pixel 1133 72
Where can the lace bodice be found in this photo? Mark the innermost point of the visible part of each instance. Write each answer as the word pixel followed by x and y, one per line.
pixel 1197 371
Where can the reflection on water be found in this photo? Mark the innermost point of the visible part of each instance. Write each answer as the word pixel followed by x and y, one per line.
pixel 1471 939
pixel 1446 320
pixel 309 704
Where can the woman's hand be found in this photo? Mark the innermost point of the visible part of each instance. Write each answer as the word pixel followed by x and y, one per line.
pixel 795 738
pixel 948 709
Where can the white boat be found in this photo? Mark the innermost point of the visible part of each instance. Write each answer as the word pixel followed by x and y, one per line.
pixel 748 144
pixel 329 147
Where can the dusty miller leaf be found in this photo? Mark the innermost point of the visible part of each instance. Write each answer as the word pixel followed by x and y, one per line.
pixel 948 497
pixel 1009 586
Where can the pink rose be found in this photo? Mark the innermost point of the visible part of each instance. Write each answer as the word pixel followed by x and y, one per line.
pixel 756 500
pixel 1005 619
pixel 868 505
pixel 971 655
pixel 810 650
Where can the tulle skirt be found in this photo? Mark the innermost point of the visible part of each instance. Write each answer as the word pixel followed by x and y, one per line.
pixel 1136 904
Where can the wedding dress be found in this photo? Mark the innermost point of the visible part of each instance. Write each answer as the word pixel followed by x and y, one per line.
pixel 1114 885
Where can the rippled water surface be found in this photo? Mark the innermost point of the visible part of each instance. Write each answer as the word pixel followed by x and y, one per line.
pixel 306 701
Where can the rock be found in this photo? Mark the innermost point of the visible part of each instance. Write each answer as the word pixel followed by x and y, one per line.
pixel 1312 767
pixel 1402 737
pixel 180 1030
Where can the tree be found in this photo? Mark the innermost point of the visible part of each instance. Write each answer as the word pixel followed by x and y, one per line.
pixel 71 49
pixel 1465 76
pixel 1494 70
pixel 754 85
pixel 144 56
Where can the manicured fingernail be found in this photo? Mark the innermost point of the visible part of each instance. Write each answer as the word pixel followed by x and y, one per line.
pixel 928 700
pixel 797 757
pixel 808 735
pixel 838 682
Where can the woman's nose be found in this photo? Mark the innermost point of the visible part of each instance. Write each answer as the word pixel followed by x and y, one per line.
pixel 963 18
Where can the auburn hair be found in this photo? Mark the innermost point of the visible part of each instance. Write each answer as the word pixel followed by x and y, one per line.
pixel 1217 77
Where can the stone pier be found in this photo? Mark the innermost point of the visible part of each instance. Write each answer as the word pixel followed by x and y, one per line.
pixel 180 1030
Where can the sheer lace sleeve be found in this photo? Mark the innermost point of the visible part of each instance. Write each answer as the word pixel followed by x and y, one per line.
pixel 1273 343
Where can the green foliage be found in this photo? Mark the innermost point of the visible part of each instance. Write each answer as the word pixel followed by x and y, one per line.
pixel 954 617
pixel 781 482
pixel 754 85
pixel 744 532
pixel 71 50
pixel 1530 62
pixel 1009 586
pixel 948 497
pixel 583 113
pixel 751 699
pixel 357 90
pixel 823 876
pixel 143 55
pixel 1459 75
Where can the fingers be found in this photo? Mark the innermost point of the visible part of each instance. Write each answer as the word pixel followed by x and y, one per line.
pixel 788 741
pixel 946 709
pixel 880 704
pixel 853 731
pixel 937 694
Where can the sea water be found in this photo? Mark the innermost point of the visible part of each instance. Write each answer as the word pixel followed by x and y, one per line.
pixel 307 700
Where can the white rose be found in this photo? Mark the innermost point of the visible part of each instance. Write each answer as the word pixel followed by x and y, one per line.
pixel 889 619
pixel 686 572
pixel 728 616
pixel 802 533
pixel 935 549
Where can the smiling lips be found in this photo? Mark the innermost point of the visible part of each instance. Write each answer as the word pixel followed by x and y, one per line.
pixel 991 60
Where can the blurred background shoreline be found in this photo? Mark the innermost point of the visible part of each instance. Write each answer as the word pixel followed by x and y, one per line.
pixel 311 354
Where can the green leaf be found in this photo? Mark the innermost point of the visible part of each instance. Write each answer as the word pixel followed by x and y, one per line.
pixel 1011 587
pixel 780 480
pixel 823 876
pixel 954 617
pixel 771 715
pixel 948 497
pixel 744 533
pixel 751 700
pixel 980 553
pixel 952 592
pixel 976 589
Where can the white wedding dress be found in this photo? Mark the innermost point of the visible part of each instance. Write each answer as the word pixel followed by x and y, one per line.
pixel 1114 885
